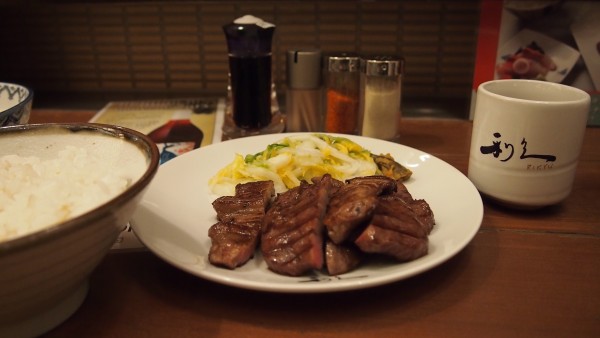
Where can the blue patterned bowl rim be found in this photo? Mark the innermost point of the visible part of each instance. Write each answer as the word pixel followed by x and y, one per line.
pixel 18 109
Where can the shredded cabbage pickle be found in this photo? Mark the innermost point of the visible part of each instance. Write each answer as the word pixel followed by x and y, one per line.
pixel 295 159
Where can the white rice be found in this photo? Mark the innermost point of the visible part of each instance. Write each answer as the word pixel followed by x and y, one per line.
pixel 36 193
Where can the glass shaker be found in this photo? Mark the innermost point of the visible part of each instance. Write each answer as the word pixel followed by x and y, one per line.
pixel 380 92
pixel 304 90
pixel 342 93
pixel 252 103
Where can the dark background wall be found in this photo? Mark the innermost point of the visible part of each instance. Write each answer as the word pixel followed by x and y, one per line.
pixel 86 53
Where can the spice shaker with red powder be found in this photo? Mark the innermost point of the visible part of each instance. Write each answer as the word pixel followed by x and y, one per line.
pixel 342 93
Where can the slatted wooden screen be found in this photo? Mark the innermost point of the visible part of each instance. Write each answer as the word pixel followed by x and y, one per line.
pixel 179 48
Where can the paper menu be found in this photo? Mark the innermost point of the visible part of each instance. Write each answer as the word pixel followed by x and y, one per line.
pixel 145 116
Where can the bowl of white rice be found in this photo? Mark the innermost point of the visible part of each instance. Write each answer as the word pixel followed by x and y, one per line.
pixel 66 191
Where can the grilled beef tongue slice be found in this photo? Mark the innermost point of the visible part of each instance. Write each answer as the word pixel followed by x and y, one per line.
pixel 402 192
pixel 232 244
pixel 353 204
pixel 341 258
pixel 423 213
pixel 395 231
pixel 235 236
pixel 403 247
pixel 420 207
pixel 292 234
pixel 263 189
pixel 383 184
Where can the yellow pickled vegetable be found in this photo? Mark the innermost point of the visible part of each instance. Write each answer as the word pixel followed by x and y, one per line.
pixel 294 159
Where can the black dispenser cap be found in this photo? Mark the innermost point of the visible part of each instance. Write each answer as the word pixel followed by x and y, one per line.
pixel 249 36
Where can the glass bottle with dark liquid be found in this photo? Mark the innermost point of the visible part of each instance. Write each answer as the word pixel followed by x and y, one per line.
pixel 251 90
pixel 252 101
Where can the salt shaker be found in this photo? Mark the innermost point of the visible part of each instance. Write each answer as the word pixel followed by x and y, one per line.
pixel 380 96
pixel 304 90
pixel 342 93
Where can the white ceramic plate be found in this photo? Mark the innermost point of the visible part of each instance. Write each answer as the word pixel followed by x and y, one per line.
pixel 176 212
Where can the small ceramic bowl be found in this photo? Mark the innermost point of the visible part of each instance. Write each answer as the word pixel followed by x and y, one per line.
pixel 15 104
pixel 44 273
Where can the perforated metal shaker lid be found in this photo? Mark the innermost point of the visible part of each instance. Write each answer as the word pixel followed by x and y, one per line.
pixel 382 65
pixel 343 62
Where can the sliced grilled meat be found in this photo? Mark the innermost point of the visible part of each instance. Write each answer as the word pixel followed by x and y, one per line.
pixel 250 199
pixel 392 243
pixel 402 192
pixel 236 235
pixel 239 210
pixel 382 184
pixel 263 189
pixel 334 184
pixel 292 234
pixel 232 244
pixel 353 204
pixel 420 207
pixel 395 231
pixel 398 215
pixel 424 214
pixel 341 258
pixel 373 214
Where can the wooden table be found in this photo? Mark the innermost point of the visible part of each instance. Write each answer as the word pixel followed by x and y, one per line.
pixel 525 274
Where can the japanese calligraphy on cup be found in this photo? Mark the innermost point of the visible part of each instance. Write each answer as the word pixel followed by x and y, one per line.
pixel 526 141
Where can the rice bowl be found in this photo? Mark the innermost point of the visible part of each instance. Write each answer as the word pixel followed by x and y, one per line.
pixel 44 271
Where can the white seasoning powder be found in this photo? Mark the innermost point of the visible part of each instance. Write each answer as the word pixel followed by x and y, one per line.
pixel 381 109
pixel 381 88
pixel 36 193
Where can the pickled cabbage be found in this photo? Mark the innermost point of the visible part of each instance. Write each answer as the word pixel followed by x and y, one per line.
pixel 295 159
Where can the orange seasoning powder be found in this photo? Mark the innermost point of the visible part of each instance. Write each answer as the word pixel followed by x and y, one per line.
pixel 342 88
pixel 342 113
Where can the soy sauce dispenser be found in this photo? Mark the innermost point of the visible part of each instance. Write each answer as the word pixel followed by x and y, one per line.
pixel 252 102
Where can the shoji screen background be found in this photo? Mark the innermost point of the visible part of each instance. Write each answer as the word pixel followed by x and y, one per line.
pixel 115 49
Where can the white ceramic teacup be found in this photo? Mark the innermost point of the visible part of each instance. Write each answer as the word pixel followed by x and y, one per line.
pixel 526 141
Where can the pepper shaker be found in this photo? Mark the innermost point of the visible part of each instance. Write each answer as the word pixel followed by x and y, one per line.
pixel 342 93
pixel 380 96
pixel 304 94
